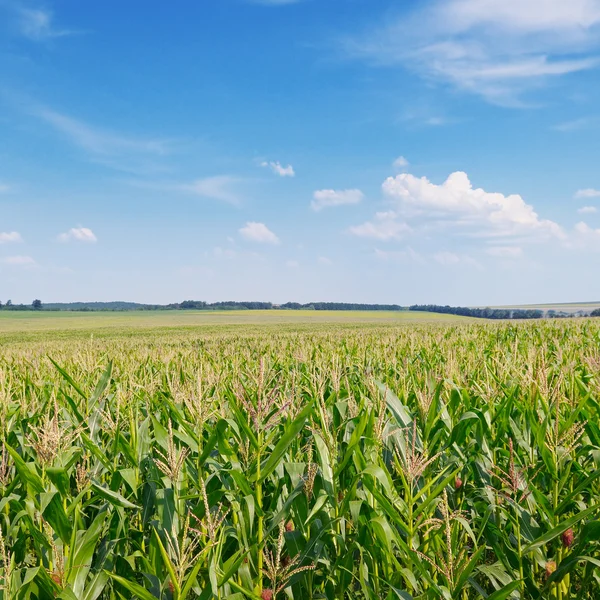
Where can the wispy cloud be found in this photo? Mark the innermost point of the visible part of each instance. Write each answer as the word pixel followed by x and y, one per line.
pixel 450 259
pixel 224 188
pixel 587 193
pixel 400 164
pixel 575 124
pixel 10 237
pixel 97 140
pixel 219 187
pixel 258 232
pixel 408 255
pixel 4 188
pixel 19 261
pixel 37 24
pixel 587 210
pixel 494 48
pixel 78 234
pixel 384 227
pixel 329 198
pixel 279 169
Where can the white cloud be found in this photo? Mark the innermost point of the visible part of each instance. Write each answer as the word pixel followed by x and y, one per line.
pixel 400 163
pixel 258 232
pixel 450 259
pixel 327 198
pixel 408 255
pixel 218 188
pixel 505 251
pixel 385 227
pixel 10 237
pixel 97 141
pixel 323 260
pixel 19 261
pixel 586 237
pixel 4 188
pixel 495 48
pixel 436 121
pixel 574 125
pixel 279 169
pixel 587 210
pixel 219 252
pixel 37 24
pixel 292 264
pixel 78 234
pixel 587 193
pixel 455 203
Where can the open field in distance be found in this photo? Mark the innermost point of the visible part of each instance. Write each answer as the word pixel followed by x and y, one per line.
pixel 31 324
pixel 567 307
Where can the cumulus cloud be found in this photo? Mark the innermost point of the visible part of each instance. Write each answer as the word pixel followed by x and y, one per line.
pixel 472 210
pixel 587 210
pixel 384 227
pixel 495 48
pixel 328 198
pixel 78 234
pixel 279 169
pixel 585 238
pixel 258 232
pixel 587 193
pixel 10 237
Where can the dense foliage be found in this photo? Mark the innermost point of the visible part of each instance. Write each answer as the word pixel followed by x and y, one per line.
pixel 340 306
pixel 418 462
pixel 201 305
pixel 481 313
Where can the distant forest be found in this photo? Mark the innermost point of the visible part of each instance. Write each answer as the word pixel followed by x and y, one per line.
pixel 480 313
pixel 464 311
pixel 194 305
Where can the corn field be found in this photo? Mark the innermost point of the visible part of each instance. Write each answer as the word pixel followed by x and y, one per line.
pixel 455 462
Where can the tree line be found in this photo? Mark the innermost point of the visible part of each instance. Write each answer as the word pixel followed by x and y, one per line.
pixel 480 313
pixel 8 305
pixel 464 311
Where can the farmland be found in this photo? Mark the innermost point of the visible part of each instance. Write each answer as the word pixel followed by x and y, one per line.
pixel 242 455
pixel 66 322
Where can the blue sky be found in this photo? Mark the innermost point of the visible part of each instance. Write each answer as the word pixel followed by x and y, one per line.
pixel 349 150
